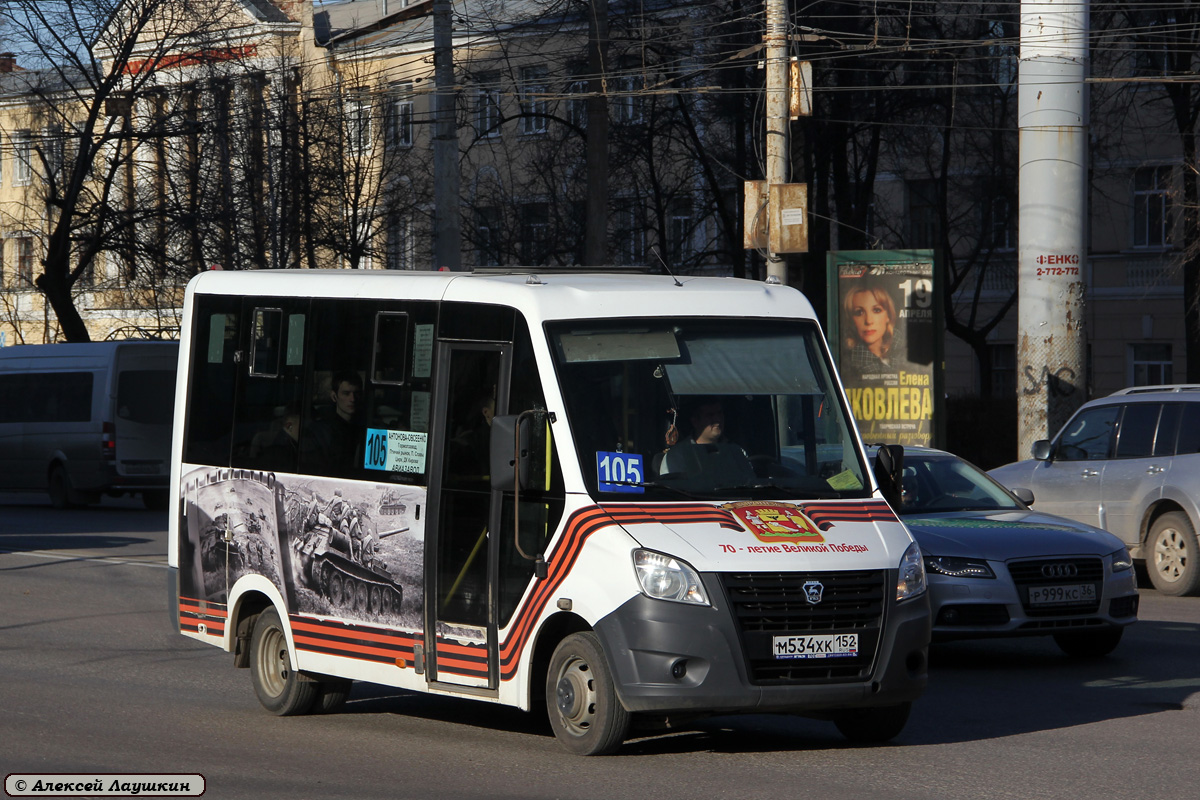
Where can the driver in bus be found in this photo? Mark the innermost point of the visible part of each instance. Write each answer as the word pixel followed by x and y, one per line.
pixel 707 454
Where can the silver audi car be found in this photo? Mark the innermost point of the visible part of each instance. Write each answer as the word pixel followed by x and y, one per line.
pixel 997 568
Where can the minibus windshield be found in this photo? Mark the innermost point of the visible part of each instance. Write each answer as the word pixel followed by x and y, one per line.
pixel 712 409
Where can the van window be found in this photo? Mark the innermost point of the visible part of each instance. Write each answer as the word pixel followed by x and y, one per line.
pixel 46 397
pixel 146 396
pixel 1138 424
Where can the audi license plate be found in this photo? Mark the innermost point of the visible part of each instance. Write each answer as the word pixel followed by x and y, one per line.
pixel 1075 594
pixel 835 645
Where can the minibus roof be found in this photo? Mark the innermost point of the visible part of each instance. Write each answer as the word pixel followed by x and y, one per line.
pixel 547 294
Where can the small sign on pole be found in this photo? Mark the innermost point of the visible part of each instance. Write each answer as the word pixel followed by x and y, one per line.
pixel 789 218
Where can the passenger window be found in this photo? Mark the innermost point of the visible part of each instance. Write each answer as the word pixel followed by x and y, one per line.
pixel 1088 436
pixel 1168 429
pixel 267 424
pixel 1135 439
pixel 212 382
pixel 1189 430
pixel 264 355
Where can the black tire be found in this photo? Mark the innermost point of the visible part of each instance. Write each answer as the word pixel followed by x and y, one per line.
pixel 331 695
pixel 873 725
pixel 335 589
pixel 59 488
pixel 1173 555
pixel 156 499
pixel 585 713
pixel 279 687
pixel 1089 644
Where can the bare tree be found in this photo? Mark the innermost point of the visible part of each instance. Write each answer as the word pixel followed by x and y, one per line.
pixel 93 60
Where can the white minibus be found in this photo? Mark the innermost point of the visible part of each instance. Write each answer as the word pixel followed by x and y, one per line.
pixel 82 420
pixel 624 499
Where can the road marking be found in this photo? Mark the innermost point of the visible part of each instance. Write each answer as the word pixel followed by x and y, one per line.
pixel 83 557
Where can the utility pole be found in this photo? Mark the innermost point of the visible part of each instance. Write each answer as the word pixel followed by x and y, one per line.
pixel 778 80
pixel 1052 121
pixel 447 225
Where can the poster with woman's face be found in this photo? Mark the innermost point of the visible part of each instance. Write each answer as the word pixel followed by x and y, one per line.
pixel 885 324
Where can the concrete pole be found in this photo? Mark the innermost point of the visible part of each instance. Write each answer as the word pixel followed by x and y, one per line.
pixel 778 84
pixel 1052 123
pixel 447 225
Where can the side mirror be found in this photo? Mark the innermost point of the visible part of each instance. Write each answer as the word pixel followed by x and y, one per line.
pixel 1041 449
pixel 889 469
pixel 1023 494
pixel 517 441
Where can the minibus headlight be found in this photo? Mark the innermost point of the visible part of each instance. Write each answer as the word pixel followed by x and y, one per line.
pixel 665 578
pixel 911 582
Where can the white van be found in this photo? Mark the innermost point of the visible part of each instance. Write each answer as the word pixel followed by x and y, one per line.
pixel 624 499
pixel 81 420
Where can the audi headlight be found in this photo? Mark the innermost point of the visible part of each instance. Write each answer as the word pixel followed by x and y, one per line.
pixel 1121 560
pixel 665 578
pixel 958 567
pixel 912 574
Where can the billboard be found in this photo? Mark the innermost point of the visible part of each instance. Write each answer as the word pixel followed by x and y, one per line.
pixel 885 325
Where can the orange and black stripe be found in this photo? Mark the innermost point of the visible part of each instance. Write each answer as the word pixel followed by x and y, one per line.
pixel 193 613
pixel 363 642
pixel 824 515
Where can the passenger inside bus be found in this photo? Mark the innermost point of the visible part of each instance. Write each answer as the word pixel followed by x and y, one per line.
pixel 335 438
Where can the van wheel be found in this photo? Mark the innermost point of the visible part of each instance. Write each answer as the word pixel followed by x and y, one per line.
pixel 1089 644
pixel 585 713
pixel 279 687
pixel 59 488
pixel 1174 555
pixel 155 499
pixel 872 725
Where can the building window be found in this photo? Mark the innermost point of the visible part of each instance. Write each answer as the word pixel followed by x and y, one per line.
pixel 535 229
pixel 997 224
pixel 487 237
pixel 1152 207
pixel 1002 55
pixel 400 242
pixel 631 236
pixel 680 232
pixel 577 108
pixel 22 158
pixel 1150 364
pixel 2 255
pixel 400 133
pixel 358 123
pixel 923 219
pixel 533 99
pixel 487 105
pixel 25 259
pixel 1002 358
pixel 627 103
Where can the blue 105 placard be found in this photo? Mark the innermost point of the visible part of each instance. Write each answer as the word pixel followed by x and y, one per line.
pixel 620 472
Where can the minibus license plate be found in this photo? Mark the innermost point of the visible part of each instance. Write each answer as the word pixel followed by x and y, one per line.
pixel 836 645
pixel 1062 595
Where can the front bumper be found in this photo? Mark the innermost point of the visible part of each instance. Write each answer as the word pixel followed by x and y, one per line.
pixel 972 608
pixel 675 658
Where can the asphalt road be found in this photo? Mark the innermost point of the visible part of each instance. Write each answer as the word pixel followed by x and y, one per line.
pixel 93 679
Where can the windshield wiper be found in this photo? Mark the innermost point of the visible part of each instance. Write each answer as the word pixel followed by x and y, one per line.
pixel 658 485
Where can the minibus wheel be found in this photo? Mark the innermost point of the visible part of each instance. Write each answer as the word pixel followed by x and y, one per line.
pixel 280 688
pixel 581 701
